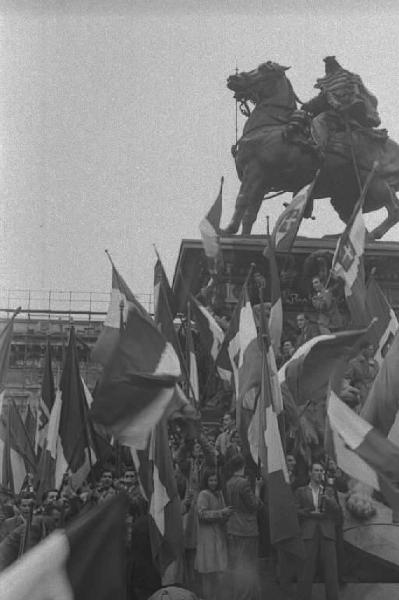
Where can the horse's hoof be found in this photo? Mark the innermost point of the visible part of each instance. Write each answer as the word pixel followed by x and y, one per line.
pixel 231 229
pixel 376 234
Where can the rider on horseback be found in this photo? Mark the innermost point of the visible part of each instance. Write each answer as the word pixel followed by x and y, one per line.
pixel 343 101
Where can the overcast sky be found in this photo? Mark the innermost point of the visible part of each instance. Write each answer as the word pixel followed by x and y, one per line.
pixel 116 123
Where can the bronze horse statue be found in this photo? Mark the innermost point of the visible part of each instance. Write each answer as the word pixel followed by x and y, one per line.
pixel 268 160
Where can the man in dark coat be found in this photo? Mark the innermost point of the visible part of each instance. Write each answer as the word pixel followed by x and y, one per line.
pixel 307 329
pixel 318 512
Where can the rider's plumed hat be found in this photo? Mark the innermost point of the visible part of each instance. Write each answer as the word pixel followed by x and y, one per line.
pixel 331 65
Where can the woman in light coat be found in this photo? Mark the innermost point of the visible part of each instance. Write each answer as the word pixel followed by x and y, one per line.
pixel 211 556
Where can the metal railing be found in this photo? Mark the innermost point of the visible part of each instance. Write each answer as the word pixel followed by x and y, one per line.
pixel 43 302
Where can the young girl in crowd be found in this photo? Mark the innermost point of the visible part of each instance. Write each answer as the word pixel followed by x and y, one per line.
pixel 211 556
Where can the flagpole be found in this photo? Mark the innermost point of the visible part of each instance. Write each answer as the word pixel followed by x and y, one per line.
pixel 236 113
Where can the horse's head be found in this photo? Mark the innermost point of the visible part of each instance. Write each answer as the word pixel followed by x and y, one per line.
pixel 254 86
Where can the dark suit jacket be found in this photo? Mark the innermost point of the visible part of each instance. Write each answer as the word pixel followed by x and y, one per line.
pixel 310 331
pixel 10 546
pixel 243 521
pixel 325 521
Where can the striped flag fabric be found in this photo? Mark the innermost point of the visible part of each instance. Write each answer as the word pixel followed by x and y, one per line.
pixel 211 334
pixel 348 265
pixel 229 353
pixel 13 464
pixel 69 447
pixel 166 531
pixel 249 361
pixel 308 371
pixel 287 225
pixel 156 475
pixel 138 383
pixel 210 230
pixel 87 561
pixel 46 401
pixel 276 309
pixel 284 527
pixel 386 326
pixel 381 408
pixel 48 456
pixel 122 298
pixel 193 391
pixel 364 452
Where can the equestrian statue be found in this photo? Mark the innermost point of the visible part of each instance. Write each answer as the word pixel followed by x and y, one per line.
pixel 335 135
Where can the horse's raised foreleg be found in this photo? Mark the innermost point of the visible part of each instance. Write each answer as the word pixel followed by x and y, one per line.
pixel 392 206
pixel 249 199
pixel 251 214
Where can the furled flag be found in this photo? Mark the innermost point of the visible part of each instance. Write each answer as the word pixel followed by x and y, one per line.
pixel 46 401
pixel 381 408
pixel 166 529
pixel 30 426
pixel 210 230
pixel 69 447
pixel 210 332
pixel 17 456
pixel 276 309
pixel 386 326
pixel 348 265
pixel 284 527
pixel 308 371
pixel 162 286
pixel 249 360
pixel 122 298
pixel 193 388
pixel 87 561
pixel 362 451
pixel 287 225
pixel 138 383
pixel 228 357
pixel 165 309
pixel 21 441
pixel 48 456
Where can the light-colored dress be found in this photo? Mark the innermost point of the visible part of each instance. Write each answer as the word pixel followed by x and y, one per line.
pixel 211 556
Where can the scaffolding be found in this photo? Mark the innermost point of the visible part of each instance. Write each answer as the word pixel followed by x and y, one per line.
pixel 47 315
pixel 61 302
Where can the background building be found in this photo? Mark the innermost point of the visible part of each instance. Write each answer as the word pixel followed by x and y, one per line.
pixel 48 316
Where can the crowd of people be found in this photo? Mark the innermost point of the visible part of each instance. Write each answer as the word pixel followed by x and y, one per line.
pixel 225 515
pixel 223 499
